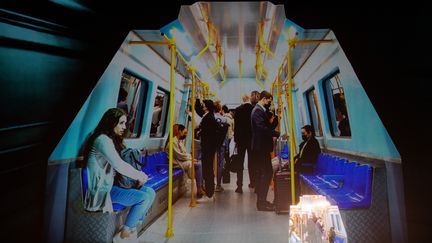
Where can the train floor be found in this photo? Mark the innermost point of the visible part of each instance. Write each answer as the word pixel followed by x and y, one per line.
pixel 232 217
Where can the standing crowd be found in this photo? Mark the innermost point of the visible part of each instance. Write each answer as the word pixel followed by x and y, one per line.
pixel 251 127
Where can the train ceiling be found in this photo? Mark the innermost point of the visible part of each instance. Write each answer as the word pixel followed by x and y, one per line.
pixel 235 30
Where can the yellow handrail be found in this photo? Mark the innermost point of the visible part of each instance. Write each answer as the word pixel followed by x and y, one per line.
pixel 279 99
pixel 208 40
pixel 291 121
pixel 193 202
pixel 169 233
pixel 261 38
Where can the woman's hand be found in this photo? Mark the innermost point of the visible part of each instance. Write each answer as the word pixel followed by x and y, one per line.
pixel 142 181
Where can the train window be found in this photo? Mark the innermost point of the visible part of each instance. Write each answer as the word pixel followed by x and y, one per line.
pixel 131 99
pixel 160 114
pixel 314 115
pixel 336 106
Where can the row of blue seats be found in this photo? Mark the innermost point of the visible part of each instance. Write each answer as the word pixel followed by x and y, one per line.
pixel 345 183
pixel 155 167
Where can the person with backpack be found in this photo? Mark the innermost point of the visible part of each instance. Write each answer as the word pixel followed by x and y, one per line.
pixel 102 160
pixel 207 130
pixel 221 142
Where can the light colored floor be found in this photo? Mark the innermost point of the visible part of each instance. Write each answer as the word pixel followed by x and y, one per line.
pixel 231 218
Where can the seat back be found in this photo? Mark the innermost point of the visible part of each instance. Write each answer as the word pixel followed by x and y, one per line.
pixel 362 178
pixel 349 174
pixel 84 180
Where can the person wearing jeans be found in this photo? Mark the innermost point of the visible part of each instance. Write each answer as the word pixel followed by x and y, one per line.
pixel 102 158
pixel 140 201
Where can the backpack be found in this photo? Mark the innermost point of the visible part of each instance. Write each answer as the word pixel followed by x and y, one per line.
pixel 221 131
pixel 132 157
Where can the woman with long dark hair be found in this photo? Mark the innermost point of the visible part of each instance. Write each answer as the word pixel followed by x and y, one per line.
pixel 101 157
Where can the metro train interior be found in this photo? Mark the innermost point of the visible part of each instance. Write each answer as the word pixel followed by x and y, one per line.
pixel 344 70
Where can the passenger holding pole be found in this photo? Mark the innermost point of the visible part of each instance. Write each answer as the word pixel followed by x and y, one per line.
pixel 223 121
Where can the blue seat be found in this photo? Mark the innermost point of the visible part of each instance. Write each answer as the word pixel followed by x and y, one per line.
pixel 284 153
pixel 156 168
pixel 344 183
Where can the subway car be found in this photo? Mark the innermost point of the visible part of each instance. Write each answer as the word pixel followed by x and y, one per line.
pixel 321 70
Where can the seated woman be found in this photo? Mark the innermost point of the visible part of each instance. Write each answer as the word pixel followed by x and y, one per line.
pixel 101 156
pixel 183 159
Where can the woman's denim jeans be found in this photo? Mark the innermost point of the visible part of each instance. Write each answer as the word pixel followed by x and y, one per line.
pixel 140 202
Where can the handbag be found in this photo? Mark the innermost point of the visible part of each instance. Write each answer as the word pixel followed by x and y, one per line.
pixel 132 157
pixel 226 176
pixel 235 165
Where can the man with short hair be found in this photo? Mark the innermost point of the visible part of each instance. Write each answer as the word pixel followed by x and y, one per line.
pixel 262 146
pixel 309 149
pixel 242 138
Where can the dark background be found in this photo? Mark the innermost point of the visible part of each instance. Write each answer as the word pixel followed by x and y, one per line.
pixel 387 45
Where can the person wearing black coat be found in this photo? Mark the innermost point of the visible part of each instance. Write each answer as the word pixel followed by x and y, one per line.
pixel 242 138
pixel 207 132
pixel 262 146
pixel 306 159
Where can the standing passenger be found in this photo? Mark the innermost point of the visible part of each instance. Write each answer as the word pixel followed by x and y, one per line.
pixel 243 135
pixel 208 145
pixel 262 146
pixel 101 156
pixel 220 118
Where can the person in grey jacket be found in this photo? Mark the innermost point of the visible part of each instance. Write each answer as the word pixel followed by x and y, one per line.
pixel 102 159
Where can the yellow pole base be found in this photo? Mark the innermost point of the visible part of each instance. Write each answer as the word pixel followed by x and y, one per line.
pixel 169 233
pixel 192 204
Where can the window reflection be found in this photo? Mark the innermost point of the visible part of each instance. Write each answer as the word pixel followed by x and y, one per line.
pixel 131 100
pixel 159 114
pixel 336 106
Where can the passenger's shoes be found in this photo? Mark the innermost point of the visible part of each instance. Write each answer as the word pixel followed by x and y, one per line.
pixel 239 190
pixel 219 188
pixel 200 192
pixel 118 239
pixel 206 199
pixel 265 206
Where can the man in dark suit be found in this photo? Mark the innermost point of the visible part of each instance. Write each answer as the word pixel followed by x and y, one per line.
pixel 262 146
pixel 309 149
pixel 207 132
pixel 242 138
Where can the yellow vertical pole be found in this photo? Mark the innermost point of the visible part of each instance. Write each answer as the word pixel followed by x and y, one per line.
pixel 169 233
pixel 193 202
pixel 291 120
pixel 279 99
